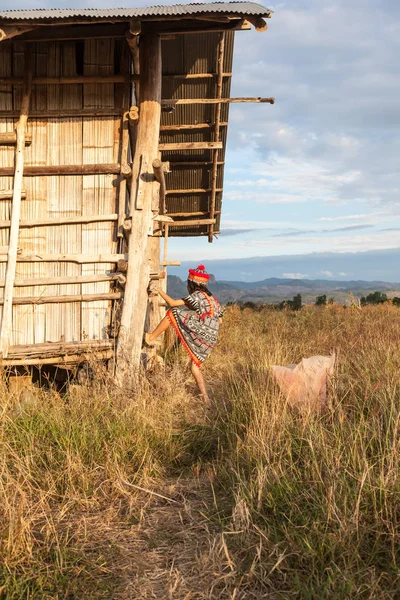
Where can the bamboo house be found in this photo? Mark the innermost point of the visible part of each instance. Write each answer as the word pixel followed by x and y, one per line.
pixel 113 126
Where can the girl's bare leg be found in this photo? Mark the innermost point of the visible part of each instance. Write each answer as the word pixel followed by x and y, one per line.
pixel 198 375
pixel 161 327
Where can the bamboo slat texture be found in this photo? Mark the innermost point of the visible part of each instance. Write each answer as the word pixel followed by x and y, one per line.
pixel 68 138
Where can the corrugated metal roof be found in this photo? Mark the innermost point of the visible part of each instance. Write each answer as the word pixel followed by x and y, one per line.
pixel 227 8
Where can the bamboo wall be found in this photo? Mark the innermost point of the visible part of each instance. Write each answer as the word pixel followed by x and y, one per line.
pixel 73 140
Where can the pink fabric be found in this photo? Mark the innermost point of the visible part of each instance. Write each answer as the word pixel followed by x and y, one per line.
pixel 305 384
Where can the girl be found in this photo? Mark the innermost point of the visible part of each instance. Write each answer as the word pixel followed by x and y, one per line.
pixel 196 320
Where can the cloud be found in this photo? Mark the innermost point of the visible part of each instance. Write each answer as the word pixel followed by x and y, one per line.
pixel 327 273
pixel 294 275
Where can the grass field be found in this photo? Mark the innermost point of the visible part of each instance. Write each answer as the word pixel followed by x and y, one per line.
pixel 259 501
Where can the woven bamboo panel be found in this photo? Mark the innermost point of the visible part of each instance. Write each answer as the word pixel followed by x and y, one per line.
pixel 63 141
pixel 99 195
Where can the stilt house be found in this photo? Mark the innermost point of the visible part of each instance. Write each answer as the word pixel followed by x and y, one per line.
pixel 113 126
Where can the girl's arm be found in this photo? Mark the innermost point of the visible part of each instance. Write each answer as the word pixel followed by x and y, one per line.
pixel 170 300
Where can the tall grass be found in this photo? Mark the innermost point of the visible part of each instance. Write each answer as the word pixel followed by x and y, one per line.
pixel 263 502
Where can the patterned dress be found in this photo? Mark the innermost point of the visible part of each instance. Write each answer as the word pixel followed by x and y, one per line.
pixel 196 324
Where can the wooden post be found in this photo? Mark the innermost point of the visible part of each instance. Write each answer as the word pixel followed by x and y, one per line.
pixel 214 176
pixel 138 273
pixel 158 168
pixel 6 321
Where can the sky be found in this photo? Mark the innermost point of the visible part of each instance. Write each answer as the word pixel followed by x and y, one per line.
pixel 319 170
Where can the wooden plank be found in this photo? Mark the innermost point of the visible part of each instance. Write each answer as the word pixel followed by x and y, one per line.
pixel 68 280
pixel 195 76
pixel 215 101
pixel 63 299
pixel 50 170
pixel 192 191
pixel 68 359
pixel 79 79
pixel 194 164
pixel 77 258
pixel 191 214
pixel 190 146
pixel 6 321
pixel 64 113
pixel 8 194
pixel 189 127
pixel 62 221
pixel 10 139
pixel 58 347
pixel 193 223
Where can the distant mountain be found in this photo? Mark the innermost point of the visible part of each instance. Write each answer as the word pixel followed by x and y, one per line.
pixel 275 289
pixel 374 265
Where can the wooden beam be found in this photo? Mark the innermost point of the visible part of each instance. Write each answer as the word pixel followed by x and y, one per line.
pixel 31 350
pixel 62 221
pixel 192 191
pixel 215 101
pixel 74 113
pixel 196 76
pixel 220 68
pixel 8 194
pixel 69 359
pixel 76 258
pixel 259 23
pixel 10 139
pixel 6 321
pixel 189 127
pixel 138 273
pixel 68 280
pixel 191 214
pixel 48 170
pixel 190 146
pixel 193 223
pixel 9 31
pixel 193 164
pixel 78 79
pixel 64 299
pixel 170 263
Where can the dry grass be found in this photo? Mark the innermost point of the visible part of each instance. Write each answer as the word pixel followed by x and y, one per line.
pixel 264 502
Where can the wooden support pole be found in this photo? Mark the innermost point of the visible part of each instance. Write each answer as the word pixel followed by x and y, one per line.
pixel 49 170
pixel 6 321
pixel 190 146
pixel 158 168
pixel 215 101
pixel 220 68
pixel 138 274
pixel 10 139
